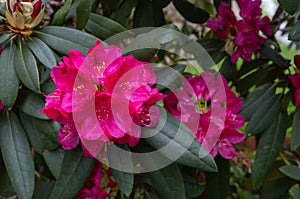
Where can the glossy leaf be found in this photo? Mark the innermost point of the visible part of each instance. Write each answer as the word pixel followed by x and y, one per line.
pixel 43 189
pixel 59 39
pixel 291 171
pixel 124 11
pixel 295 139
pixel 4 37
pixel 9 80
pixel 54 160
pixel 291 6
pixel 191 12
pixel 295 192
pixel 17 155
pixel 183 142
pixel 268 148
pixel 60 15
pixel 49 130
pixel 218 183
pixel 124 180
pixel 168 182
pixel 42 52
pixel 264 116
pixel 33 133
pixel 75 170
pixel 83 13
pixel 103 27
pixel 32 104
pixel 26 68
pixel 276 189
pixel 5 183
pixel 271 54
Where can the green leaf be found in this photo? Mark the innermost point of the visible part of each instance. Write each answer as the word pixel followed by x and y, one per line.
pixel 277 189
pixel 268 148
pixel 103 27
pixel 43 189
pixel 124 11
pixel 26 68
pixel 54 160
pixel 60 15
pixel 191 12
pixel 148 14
pixel 5 183
pixel 218 183
pixel 59 39
pixel 34 135
pixel 168 182
pixel 124 180
pixel 295 139
pixel 291 171
pixel 294 35
pixel 9 80
pixel 17 155
pixel 291 6
pixel 183 142
pixel 256 98
pixel 75 170
pixel 269 53
pixel 264 116
pixel 49 130
pixel 295 191
pixel 5 37
pixel 32 104
pixel 193 188
pixel 83 13
pixel 42 52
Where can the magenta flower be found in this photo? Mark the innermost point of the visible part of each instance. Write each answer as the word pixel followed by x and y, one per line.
pixel 244 33
pixel 121 87
pixel 1 106
pixel 209 89
pixel 295 79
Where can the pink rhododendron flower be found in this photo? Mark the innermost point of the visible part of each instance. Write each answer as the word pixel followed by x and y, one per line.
pixel 209 89
pixel 1 106
pixel 122 93
pixel 295 79
pixel 91 188
pixel 244 33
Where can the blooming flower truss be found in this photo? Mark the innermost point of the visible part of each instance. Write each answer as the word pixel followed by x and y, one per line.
pixel 243 37
pixel 295 79
pixel 23 15
pixel 201 114
pixel 1 106
pixel 105 79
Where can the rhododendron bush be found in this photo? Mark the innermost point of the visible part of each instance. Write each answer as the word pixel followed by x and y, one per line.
pixel 149 99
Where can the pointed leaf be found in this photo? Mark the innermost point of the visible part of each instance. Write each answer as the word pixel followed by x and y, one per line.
pixel 42 52
pixel 60 15
pixel 191 12
pixel 9 80
pixel 295 191
pixel 268 148
pixel 17 155
pixel 26 68
pixel 83 13
pixel 291 171
pixel 54 160
pixel 168 182
pixel 5 37
pixel 295 139
pixel 75 170
pixel 59 39
pixel 180 141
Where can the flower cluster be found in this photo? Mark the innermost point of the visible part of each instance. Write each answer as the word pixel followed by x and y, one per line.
pixel 106 68
pixel 295 79
pixel 22 15
pixel 242 36
pixel 211 100
pixel 1 106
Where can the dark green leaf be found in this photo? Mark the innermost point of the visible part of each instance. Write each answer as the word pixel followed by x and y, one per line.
pixel 5 37
pixel 34 135
pixel 294 35
pixel 42 52
pixel 60 15
pixel 17 155
pixel 295 139
pixel 291 171
pixel 26 68
pixel 228 69
pixel 271 54
pixel 291 6
pixel 277 189
pixel 148 14
pixel 169 77
pixel 9 80
pixel 168 182
pixel 268 148
pixel 75 170
pixel 83 13
pixel 59 39
pixel 54 161
pixel 183 142
pixel 218 183
pixel 192 185
pixel 43 190
pixel 264 116
pixel 49 130
pixel 103 27
pixel 5 181
pixel 32 104
pixel 124 11
pixel 256 98
pixel 124 180
pixel 295 192
pixel 191 12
